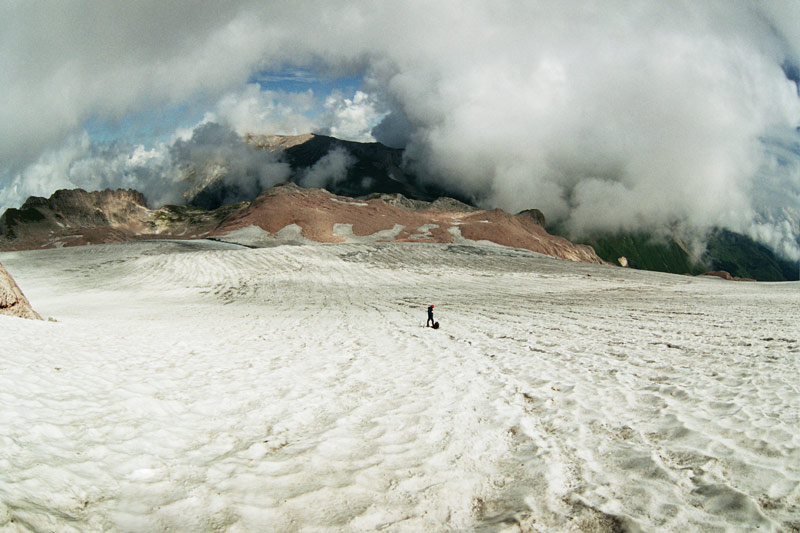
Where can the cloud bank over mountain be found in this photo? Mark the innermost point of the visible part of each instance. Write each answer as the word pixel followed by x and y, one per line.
pixel 612 115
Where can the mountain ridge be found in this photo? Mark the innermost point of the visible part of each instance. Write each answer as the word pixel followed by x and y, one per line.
pixel 77 217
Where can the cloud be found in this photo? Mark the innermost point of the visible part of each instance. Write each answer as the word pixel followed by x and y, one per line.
pixel 329 170
pixel 47 174
pixel 775 196
pixel 259 111
pixel 64 62
pixel 169 173
pixel 216 153
pixel 253 110
pixel 351 119
pixel 606 115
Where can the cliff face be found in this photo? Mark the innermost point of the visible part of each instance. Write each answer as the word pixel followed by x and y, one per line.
pixel 12 301
pixel 71 218
pixel 72 209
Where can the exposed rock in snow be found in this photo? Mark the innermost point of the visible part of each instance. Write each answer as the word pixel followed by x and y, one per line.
pixel 726 275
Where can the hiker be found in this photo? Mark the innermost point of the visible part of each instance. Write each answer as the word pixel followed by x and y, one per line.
pixel 430 321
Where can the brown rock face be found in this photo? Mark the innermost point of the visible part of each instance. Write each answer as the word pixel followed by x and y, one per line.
pixel 12 301
pixel 71 218
pixel 316 211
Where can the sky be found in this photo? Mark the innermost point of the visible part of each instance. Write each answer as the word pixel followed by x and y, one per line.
pixel 607 115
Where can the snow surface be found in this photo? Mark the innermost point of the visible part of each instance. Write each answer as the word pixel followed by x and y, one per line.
pixel 202 386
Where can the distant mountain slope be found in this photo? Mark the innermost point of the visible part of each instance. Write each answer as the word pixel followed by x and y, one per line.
pixel 644 252
pixel 736 254
pixel 375 168
pixel 283 213
pixel 743 257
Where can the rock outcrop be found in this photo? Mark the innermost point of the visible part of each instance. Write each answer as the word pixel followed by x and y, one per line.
pixel 725 275
pixel 535 215
pixel 12 301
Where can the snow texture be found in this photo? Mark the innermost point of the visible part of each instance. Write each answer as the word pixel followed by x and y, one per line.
pixel 204 386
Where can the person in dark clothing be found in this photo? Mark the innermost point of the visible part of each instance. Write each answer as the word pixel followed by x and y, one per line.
pixel 430 321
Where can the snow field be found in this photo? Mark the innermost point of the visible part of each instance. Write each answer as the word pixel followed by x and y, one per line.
pixel 202 386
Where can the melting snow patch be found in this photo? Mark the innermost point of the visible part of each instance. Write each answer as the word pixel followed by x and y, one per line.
pixel 292 233
pixel 458 238
pixel 424 231
pixel 345 231
pixel 256 237
pixel 252 235
pixel 359 204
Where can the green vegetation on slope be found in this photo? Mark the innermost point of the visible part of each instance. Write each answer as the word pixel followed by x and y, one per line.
pixel 734 253
pixel 645 252
pixel 745 258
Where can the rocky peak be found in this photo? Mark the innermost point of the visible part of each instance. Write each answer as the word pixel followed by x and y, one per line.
pixel 73 208
pixel 277 142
